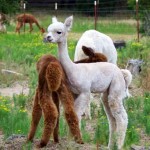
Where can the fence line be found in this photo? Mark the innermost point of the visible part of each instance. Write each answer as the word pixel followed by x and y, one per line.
pixel 121 12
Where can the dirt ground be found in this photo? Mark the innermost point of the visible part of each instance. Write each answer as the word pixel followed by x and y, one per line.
pixel 16 88
pixel 17 142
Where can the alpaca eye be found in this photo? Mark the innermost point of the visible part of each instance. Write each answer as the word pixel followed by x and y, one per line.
pixel 58 32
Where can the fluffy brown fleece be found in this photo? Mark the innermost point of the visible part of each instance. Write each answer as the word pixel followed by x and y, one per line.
pixel 92 56
pixel 52 88
pixel 27 18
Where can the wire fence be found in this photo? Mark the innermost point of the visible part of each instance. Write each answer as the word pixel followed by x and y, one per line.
pixel 96 11
pixel 118 11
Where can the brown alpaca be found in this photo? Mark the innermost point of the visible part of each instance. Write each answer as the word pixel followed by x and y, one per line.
pixel 52 87
pixel 92 56
pixel 27 18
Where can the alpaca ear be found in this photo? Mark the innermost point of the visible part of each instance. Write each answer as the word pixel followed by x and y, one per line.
pixel 68 22
pixel 54 20
pixel 88 51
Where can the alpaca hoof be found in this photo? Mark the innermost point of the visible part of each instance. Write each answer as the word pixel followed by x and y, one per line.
pixel 29 140
pixel 88 117
pixel 79 141
pixel 41 145
pixel 56 141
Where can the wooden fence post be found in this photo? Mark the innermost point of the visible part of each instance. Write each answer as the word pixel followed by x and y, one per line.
pixel 95 12
pixel 24 7
pixel 56 9
pixel 137 20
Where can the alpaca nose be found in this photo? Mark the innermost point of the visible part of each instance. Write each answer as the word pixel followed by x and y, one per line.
pixel 48 37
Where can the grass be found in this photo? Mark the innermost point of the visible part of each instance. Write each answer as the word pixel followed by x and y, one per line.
pixel 13 112
pixel 14 118
pixel 83 23
pixel 21 52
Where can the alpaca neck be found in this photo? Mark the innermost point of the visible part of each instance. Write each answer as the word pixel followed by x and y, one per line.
pixel 37 24
pixel 64 56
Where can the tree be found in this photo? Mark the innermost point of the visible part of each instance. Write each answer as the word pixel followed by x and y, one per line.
pixel 9 6
pixel 143 4
pixel 144 14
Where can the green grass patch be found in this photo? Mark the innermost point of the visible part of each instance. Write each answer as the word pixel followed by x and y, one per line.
pixel 14 118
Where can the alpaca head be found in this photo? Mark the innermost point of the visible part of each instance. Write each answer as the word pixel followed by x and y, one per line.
pixel 42 30
pixel 57 31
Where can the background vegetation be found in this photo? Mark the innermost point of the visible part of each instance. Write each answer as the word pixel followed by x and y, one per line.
pixel 21 52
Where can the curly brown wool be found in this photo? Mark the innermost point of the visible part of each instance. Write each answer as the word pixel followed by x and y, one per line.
pixel 52 88
pixel 92 56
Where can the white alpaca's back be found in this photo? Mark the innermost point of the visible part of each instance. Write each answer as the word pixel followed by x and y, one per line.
pixel 99 42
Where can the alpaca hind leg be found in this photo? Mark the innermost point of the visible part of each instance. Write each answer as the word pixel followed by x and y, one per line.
pixel 50 118
pixel 31 27
pixel 111 119
pixel 56 130
pixel 120 115
pixel 36 115
pixel 68 103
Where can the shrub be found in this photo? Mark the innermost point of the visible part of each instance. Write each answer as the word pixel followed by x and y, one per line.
pixel 145 26
pixel 9 6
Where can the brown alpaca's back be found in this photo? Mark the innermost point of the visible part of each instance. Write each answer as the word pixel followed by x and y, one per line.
pixel 92 56
pixel 27 18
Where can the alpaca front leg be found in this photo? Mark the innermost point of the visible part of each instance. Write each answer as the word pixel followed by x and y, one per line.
pixel 31 28
pixel 81 104
pixel 50 118
pixel 18 27
pixel 36 115
pixel 120 115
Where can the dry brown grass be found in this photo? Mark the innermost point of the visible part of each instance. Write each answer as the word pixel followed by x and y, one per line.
pixel 128 21
pixel 75 36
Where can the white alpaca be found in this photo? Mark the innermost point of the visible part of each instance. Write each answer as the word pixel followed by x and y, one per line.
pixel 99 42
pixel 100 77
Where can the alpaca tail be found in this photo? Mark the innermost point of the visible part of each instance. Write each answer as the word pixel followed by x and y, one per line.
pixel 53 76
pixel 50 73
pixel 128 78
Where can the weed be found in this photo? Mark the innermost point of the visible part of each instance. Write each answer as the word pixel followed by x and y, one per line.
pixel 102 131
pixel 14 119
pixel 85 134
pixel 63 130
pixel 146 113
pixel 19 100
pixel 93 110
